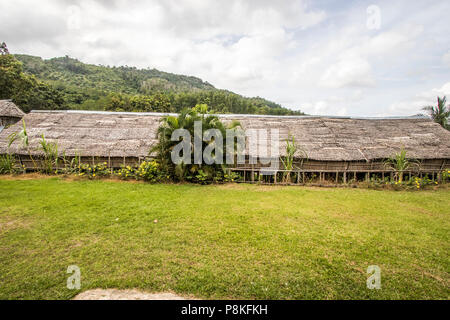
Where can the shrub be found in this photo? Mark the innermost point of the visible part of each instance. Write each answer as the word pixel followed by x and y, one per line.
pixel 148 171
pixel 400 163
pixel 50 160
pixel 231 177
pixel 7 164
pixel 93 171
pixel 446 176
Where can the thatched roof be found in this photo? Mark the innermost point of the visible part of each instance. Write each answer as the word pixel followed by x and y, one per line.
pixel 9 109
pixel 322 138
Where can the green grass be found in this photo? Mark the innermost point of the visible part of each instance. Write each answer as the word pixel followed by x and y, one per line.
pixel 232 241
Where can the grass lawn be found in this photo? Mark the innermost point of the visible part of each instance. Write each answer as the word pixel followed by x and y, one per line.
pixel 230 241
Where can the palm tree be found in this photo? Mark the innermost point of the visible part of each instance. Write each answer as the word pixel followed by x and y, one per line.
pixel 440 113
pixel 186 120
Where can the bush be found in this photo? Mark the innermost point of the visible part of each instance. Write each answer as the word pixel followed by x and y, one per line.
pixel 446 176
pixel 7 164
pixel 95 171
pixel 147 171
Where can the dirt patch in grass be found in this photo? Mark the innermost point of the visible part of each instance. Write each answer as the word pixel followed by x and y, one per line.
pixel 26 176
pixel 116 294
pixel 10 223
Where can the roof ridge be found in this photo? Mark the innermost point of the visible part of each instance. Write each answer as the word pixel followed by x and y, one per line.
pixel 228 115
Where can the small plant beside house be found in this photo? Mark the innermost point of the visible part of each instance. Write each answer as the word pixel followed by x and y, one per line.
pixel 22 135
pixel 51 157
pixel 400 163
pixel 7 164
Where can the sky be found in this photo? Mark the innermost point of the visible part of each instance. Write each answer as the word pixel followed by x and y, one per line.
pixel 323 57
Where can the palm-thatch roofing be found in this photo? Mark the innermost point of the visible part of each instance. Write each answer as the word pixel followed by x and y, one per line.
pixel 118 134
pixel 9 109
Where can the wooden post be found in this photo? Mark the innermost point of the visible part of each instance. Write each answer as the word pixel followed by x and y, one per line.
pixel 345 177
pixel 298 177
pixel 337 176
pixel 253 176
pixel 303 177
pixel 354 176
pixel 275 178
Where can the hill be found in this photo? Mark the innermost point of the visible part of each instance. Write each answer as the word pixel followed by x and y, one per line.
pixel 95 87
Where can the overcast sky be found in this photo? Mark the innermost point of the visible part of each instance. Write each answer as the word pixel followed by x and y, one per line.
pixel 373 58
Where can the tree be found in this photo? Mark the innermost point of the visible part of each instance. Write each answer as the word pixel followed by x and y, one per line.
pixel 25 90
pixel 440 113
pixel 186 120
pixel 10 75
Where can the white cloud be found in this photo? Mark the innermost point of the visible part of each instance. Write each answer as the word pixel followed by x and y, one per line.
pixel 354 72
pixel 306 55
pixel 446 59
pixel 415 104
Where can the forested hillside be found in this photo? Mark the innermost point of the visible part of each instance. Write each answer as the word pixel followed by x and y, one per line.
pixel 66 83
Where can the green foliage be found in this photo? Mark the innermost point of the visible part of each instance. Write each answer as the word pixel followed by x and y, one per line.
pixel 24 89
pixel 51 158
pixel 185 120
pixel 149 171
pixel 71 84
pixel 400 163
pixel 231 177
pixel 7 164
pixel 440 113
pixel 292 151
pixel 94 171
pixel 446 175
pixel 71 166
